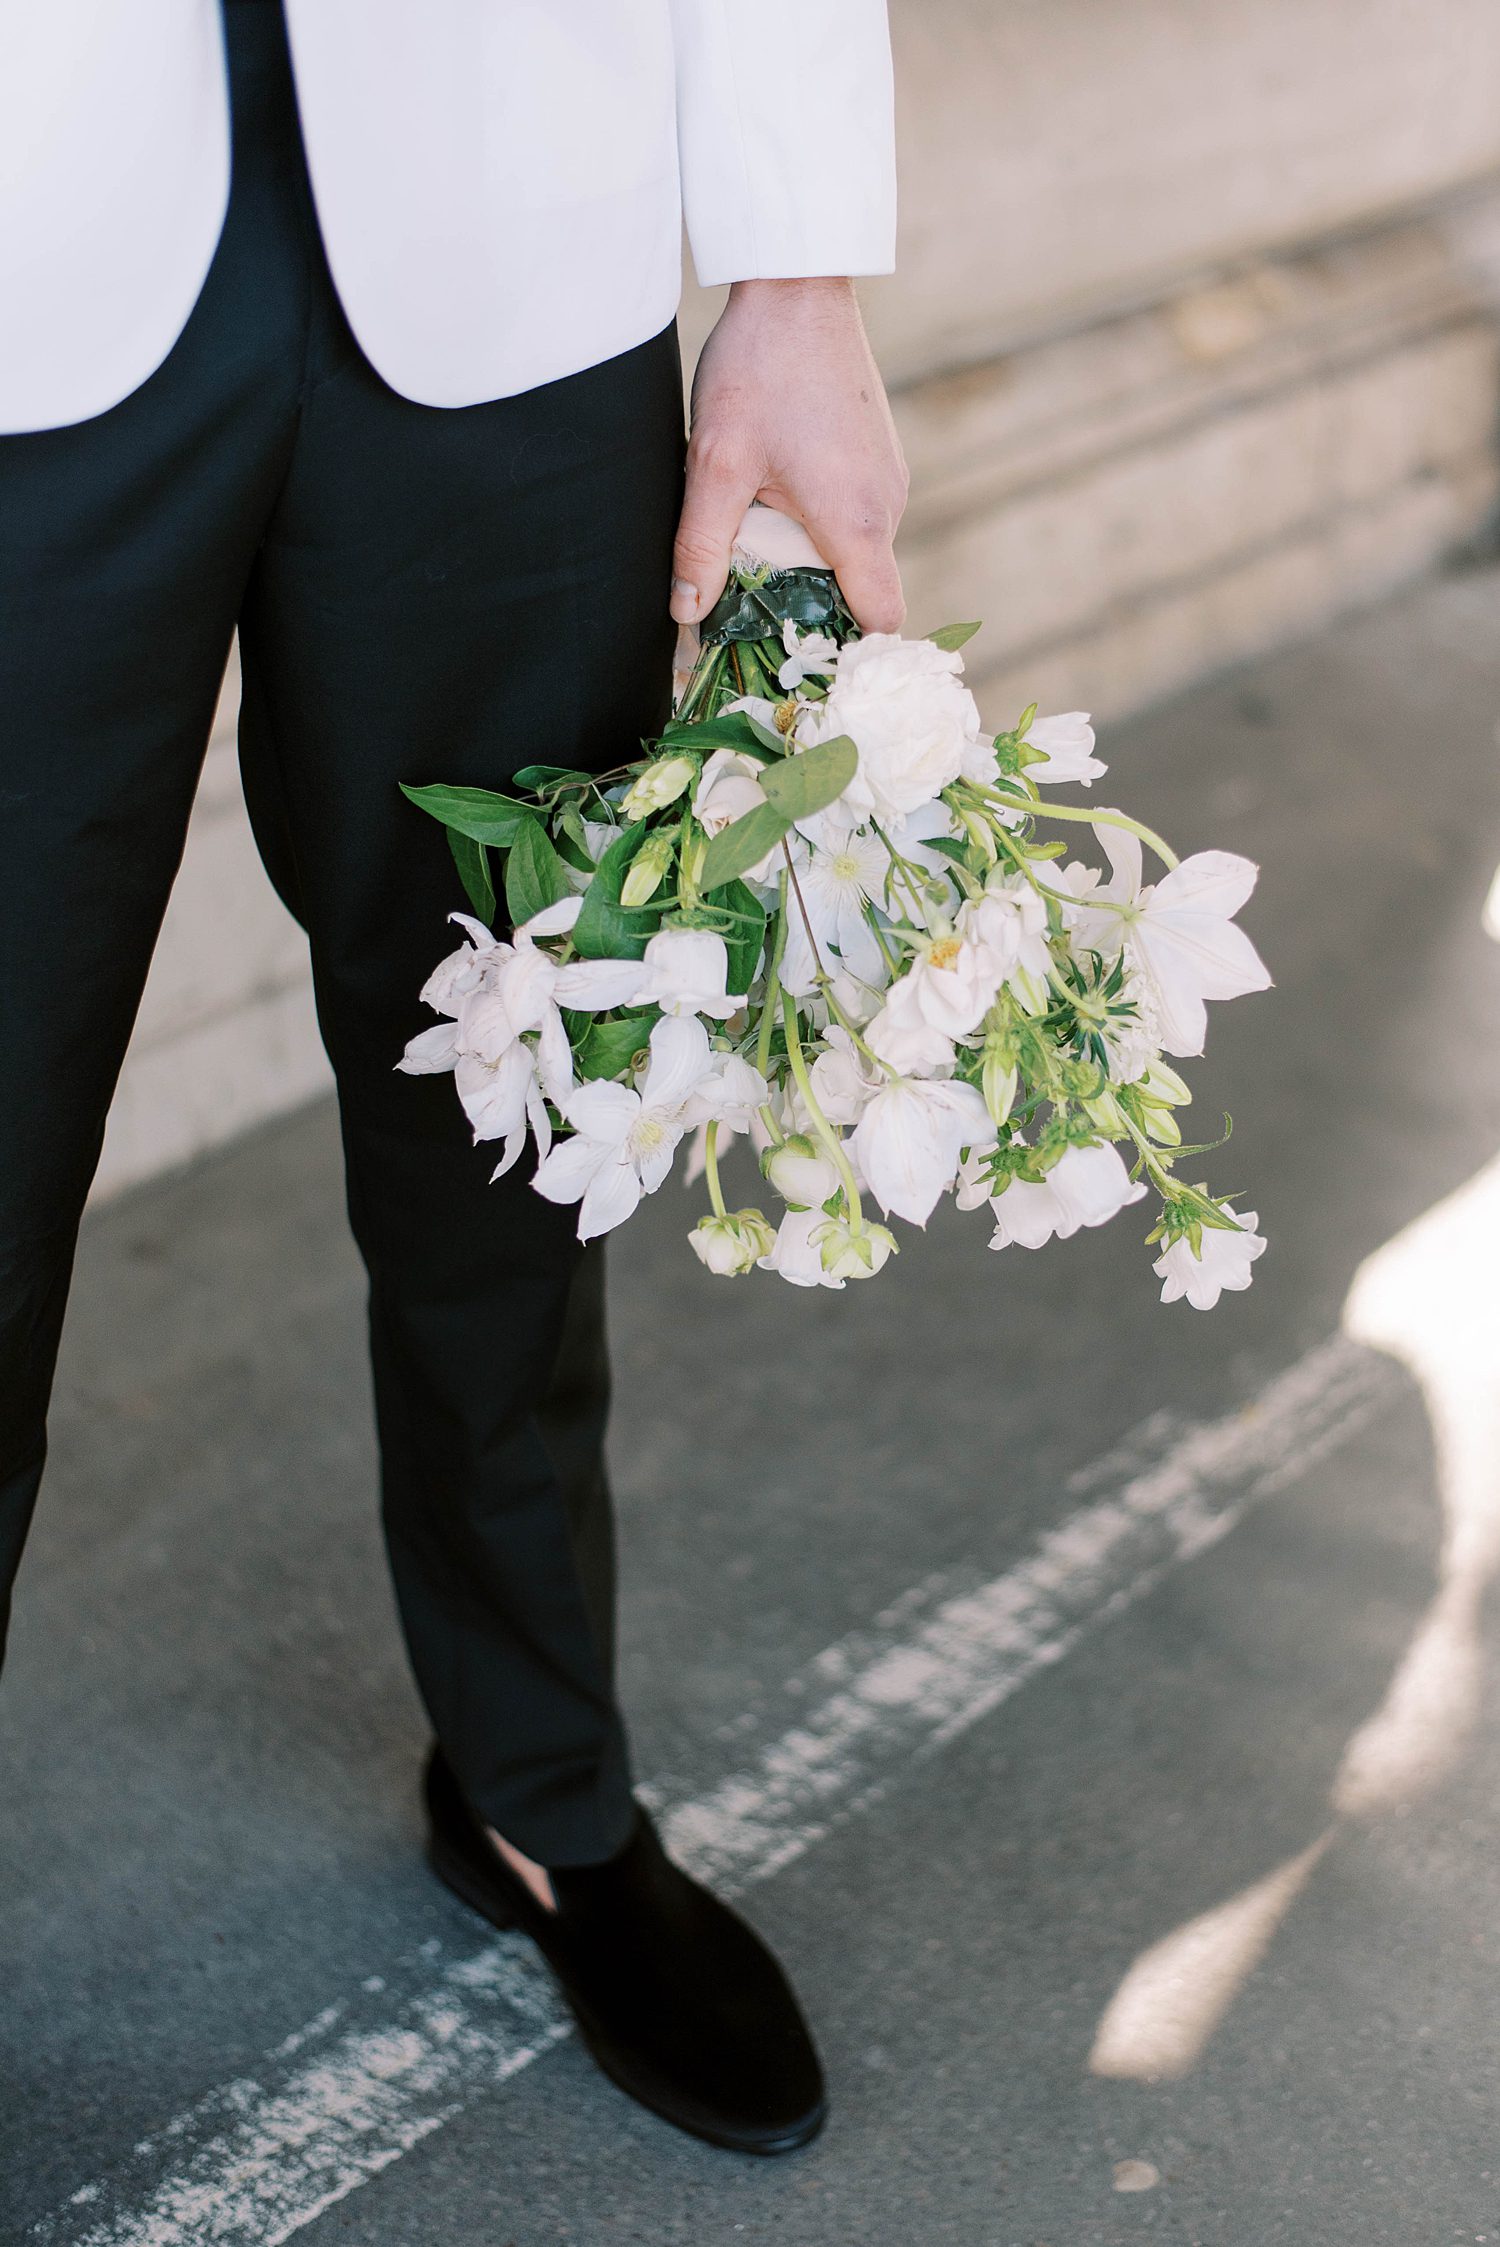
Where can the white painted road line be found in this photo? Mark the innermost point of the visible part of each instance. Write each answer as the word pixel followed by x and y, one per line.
pixel 347 2095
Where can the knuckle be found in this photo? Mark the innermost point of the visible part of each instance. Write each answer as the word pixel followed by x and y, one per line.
pixel 695 546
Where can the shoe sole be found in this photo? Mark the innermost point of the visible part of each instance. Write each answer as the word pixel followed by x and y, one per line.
pixel 452 1870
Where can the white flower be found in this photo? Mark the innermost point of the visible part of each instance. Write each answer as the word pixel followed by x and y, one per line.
pixel 728 787
pixel 431 1052
pixel 913 837
pixel 684 973
pixel 501 1098
pixel 955 978
pixel 623 1141
pixel 660 784
pixel 837 880
pixel 1180 933
pixel 843 1081
pixel 1012 920
pixel 904 1038
pixel 1224 1264
pixel 1085 1186
pixel 795 1254
pixel 814 652
pixel 847 1255
pixel 1068 744
pixel 499 992
pixel 730 1093
pixel 732 1244
pixel 462 971
pixel 525 987
pixel 902 704
pixel 909 1139
pixel 801 1172
pixel 756 706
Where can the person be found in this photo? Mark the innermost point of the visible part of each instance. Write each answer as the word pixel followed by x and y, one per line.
pixel 352 329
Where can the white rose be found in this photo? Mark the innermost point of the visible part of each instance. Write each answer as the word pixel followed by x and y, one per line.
pixel 904 707
pixel 728 787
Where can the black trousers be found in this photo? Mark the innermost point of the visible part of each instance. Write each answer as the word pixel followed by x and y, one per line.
pixel 420 594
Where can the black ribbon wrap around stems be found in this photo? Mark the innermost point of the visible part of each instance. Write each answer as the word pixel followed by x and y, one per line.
pixel 756 607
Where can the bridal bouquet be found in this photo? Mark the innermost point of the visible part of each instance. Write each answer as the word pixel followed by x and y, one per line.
pixel 825 910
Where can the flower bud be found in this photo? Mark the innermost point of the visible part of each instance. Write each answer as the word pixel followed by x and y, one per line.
pixel 733 1243
pixel 1105 1113
pixel 644 876
pixel 662 782
pixel 998 1081
pixel 1161 1082
pixel 981 835
pixel 848 1255
pixel 801 1173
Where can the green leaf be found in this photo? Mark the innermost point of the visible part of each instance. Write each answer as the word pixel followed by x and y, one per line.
pixel 473 863
pixel 476 812
pixel 741 845
pixel 732 729
pixel 953 636
pixel 538 777
pixel 810 780
pixel 535 876
pixel 744 939
pixel 606 929
pixel 612 1045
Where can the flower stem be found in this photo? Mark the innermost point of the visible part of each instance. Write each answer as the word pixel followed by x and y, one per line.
pixel 773 985
pixel 850 1029
pixel 711 1169
pixel 1036 809
pixel 1160 1177
pixel 821 1125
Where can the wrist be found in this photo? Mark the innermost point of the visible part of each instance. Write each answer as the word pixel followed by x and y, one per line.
pixel 782 291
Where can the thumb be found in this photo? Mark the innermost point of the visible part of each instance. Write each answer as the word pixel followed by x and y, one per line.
pixel 718 491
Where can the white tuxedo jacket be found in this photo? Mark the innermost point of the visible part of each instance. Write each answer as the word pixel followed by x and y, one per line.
pixel 500 183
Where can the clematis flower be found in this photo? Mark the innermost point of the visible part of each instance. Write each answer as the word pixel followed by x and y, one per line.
pixel 499 992
pixel 501 1099
pixel 838 878
pixel 1085 1186
pixel 623 1141
pixel 462 971
pixel 1179 932
pixel 903 1036
pixel 843 1081
pixel 807 655
pixel 1223 1267
pixel 909 1139
pixel 684 973
pixel 795 1254
pixel 729 1093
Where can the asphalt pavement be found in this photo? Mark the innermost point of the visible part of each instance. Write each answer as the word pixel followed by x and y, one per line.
pixel 1107 1690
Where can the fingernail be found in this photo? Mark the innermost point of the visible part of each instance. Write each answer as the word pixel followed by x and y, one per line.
pixel 684 600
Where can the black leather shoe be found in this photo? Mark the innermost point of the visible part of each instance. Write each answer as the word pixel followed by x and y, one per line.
pixel 679 2001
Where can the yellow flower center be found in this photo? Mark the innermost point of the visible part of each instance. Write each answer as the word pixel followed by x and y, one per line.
pixel 647 1134
pixel 786 715
pixel 845 866
pixel 945 951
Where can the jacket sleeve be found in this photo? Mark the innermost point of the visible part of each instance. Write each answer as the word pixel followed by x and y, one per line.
pixel 786 137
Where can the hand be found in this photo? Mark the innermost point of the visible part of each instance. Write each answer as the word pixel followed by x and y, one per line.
pixel 789 408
